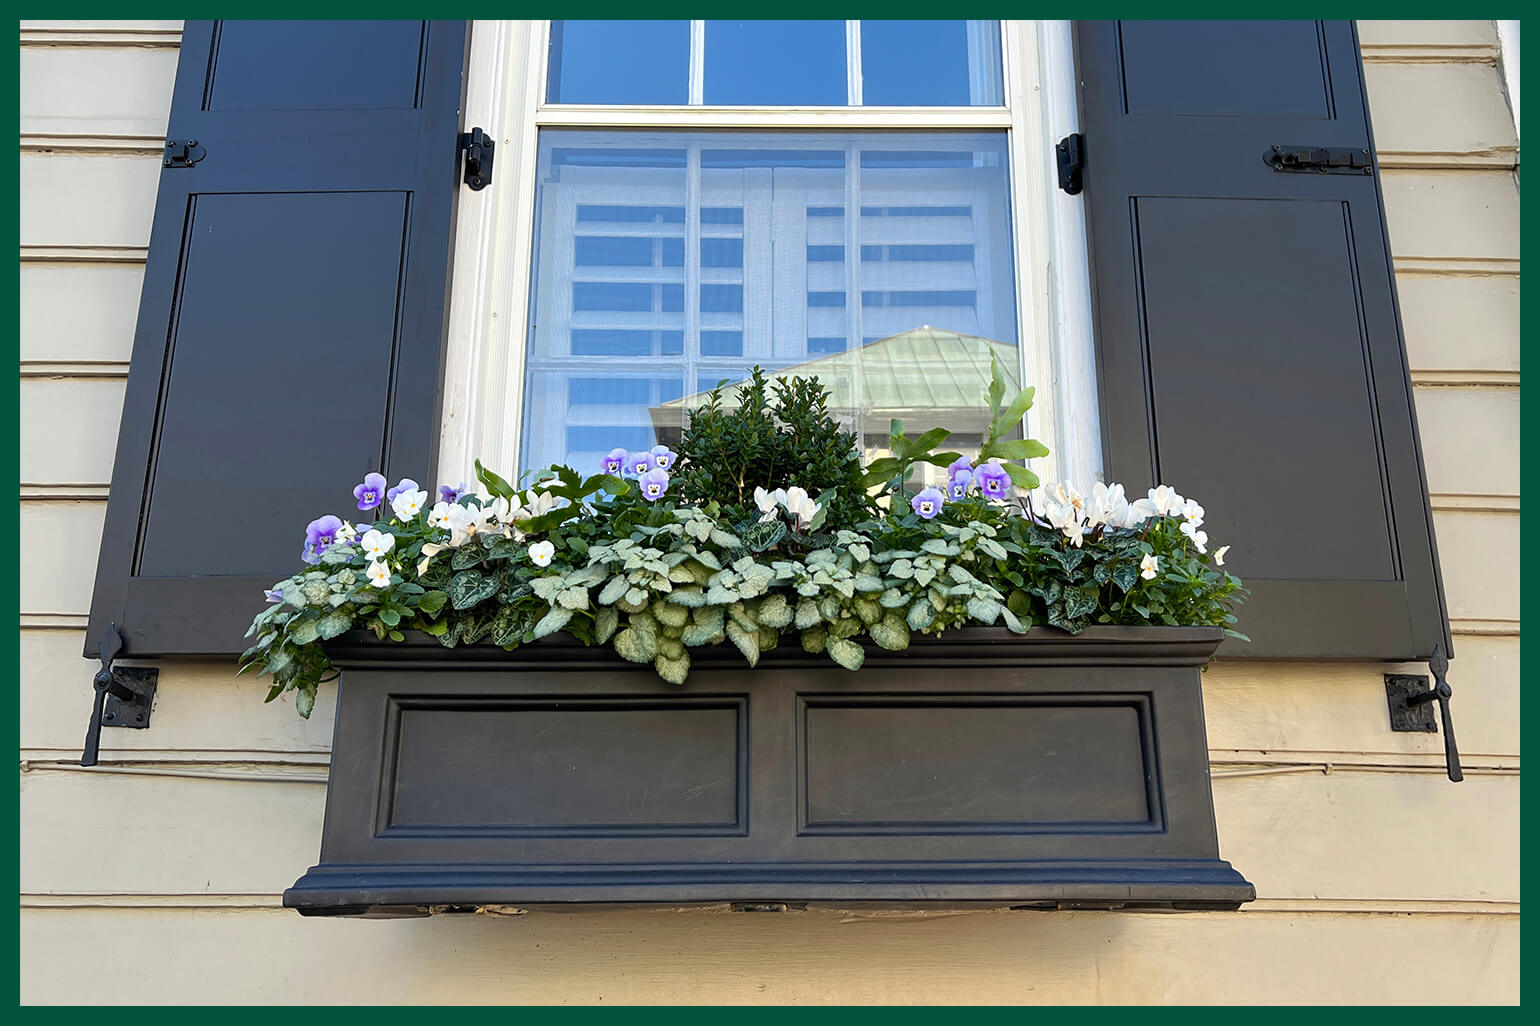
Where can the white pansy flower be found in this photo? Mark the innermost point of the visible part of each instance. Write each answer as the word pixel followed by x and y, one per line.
pixel 376 544
pixel 409 503
pixel 1149 566
pixel 1166 501
pixel 1192 512
pixel 800 505
pixel 439 515
pixel 379 575
pixel 1199 538
pixel 541 553
pixel 346 534
pixel 1219 555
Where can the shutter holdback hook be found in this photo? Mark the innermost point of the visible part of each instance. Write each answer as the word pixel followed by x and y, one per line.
pixel 124 695
pixel 1409 696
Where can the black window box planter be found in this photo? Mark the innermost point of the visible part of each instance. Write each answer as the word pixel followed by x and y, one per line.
pixel 978 767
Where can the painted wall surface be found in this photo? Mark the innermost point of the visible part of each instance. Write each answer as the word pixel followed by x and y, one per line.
pixel 182 840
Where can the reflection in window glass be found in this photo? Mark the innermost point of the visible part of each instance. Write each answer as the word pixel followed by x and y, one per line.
pixel 776 63
pixel 930 63
pixel 619 62
pixel 881 262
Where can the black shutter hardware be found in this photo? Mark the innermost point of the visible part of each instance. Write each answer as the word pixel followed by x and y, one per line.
pixel 1410 700
pixel 1326 160
pixel 1071 153
pixel 124 695
pixel 183 153
pixel 478 147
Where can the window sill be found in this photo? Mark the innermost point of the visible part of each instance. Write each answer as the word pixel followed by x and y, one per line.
pixel 976 768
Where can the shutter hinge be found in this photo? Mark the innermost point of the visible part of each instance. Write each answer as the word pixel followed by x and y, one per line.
pixel 182 153
pixel 1071 153
pixel 124 695
pixel 1410 700
pixel 1326 160
pixel 478 147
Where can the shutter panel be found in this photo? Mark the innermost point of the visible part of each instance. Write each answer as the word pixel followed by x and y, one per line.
pixel 1248 341
pixel 292 315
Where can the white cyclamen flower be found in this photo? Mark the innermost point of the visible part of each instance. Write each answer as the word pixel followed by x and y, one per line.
pixel 541 553
pixel 409 503
pixel 1149 566
pixel 1199 538
pixel 768 502
pixel 1166 501
pixel 1108 505
pixel 538 504
pixel 379 575
pixel 800 505
pixel 1219 555
pixel 376 544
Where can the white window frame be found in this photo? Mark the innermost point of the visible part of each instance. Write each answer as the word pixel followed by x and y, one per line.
pixel 489 297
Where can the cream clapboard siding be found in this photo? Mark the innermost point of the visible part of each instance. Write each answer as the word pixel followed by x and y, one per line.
pixel 1360 850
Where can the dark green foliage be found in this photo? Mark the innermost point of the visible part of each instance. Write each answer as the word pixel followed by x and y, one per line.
pixel 778 435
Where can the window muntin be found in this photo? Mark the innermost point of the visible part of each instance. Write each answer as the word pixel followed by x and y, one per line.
pixel 776 63
pixel 666 262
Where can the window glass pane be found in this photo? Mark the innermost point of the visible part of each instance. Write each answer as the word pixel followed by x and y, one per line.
pixel 619 62
pixel 931 63
pixel 665 263
pixel 776 63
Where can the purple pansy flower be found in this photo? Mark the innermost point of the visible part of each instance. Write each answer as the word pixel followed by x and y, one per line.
pixel 928 503
pixel 663 457
pixel 960 484
pixel 960 464
pixel 451 493
pixel 272 595
pixel 320 533
pixel 372 492
pixel 654 483
pixel 406 485
pixel 993 480
pixel 615 462
pixel 640 463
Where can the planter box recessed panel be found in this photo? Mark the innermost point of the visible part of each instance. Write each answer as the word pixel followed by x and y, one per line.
pixel 977 764
pixel 564 767
pixel 976 767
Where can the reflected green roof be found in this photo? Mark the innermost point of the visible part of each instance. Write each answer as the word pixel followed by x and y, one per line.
pixel 939 377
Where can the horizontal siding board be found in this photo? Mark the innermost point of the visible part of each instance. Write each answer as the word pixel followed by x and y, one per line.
pixel 1460 323
pixel 1479 556
pixel 200 707
pixel 619 957
pixel 79 312
pixel 1345 835
pixel 77 92
pixel 1470 440
pixel 79 200
pixel 1440 113
pixel 1281 708
pixel 1464 215
pixel 57 560
pixel 1250 707
pixel 1373 33
pixel 69 429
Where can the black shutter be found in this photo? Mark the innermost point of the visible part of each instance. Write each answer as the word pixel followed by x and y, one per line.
pixel 292 316
pixel 1248 341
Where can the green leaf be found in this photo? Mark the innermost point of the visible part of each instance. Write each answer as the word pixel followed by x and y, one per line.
pixel 674 670
pixel 496 485
pixel 1013 413
pixel 432 602
pixel 552 622
pixel 761 535
pixel 928 441
pixel 1018 449
pixel 1021 477
pixel 333 624
pixel 469 587
pixel 613 589
pixel 996 387
pixel 605 623
pixel 891 633
pixel 508 626
pixel 1079 602
pixel 984 610
pixel 846 653
pixel 745 641
pixel 304 630
pixel 304 701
